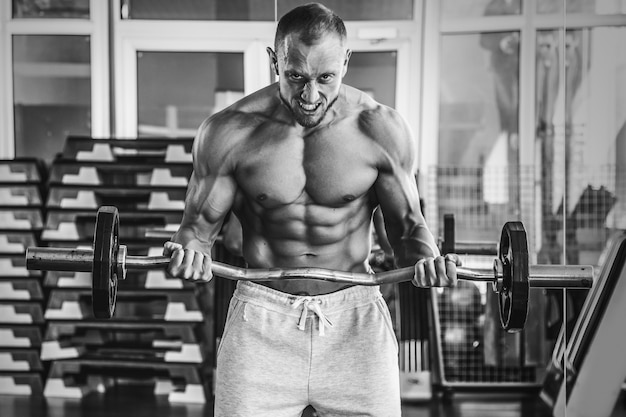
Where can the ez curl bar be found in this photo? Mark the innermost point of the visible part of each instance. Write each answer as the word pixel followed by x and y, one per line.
pixel 511 277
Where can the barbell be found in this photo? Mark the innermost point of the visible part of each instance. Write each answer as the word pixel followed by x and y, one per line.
pixel 510 277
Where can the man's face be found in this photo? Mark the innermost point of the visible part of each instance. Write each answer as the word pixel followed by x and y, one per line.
pixel 310 76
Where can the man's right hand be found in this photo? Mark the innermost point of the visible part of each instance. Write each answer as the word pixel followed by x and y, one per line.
pixel 187 263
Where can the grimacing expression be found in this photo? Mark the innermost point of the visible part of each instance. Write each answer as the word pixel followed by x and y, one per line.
pixel 310 76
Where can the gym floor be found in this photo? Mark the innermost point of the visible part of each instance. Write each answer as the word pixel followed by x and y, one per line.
pixel 140 402
pixel 134 402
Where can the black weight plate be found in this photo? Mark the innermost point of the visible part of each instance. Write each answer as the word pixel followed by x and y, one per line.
pixel 513 297
pixel 105 246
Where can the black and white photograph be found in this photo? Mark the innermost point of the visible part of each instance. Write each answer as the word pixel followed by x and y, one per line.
pixel 313 208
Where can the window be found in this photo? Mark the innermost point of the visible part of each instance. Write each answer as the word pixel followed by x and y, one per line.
pixel 471 8
pixel 51 9
pixel 529 120
pixel 260 10
pixel 56 74
pixel 51 92
pixel 198 10
pixel 178 90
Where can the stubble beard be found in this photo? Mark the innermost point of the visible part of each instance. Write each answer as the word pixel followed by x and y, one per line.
pixel 303 120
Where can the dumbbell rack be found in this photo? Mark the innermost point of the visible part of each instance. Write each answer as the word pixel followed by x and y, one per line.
pixel 157 339
pixel 21 293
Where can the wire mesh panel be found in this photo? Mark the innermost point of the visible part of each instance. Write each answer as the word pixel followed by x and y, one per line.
pixel 479 199
pixel 472 346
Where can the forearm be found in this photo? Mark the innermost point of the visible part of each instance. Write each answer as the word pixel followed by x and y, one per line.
pixel 191 237
pixel 416 245
pixel 207 203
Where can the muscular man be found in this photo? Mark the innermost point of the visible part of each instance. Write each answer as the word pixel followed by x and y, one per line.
pixel 303 164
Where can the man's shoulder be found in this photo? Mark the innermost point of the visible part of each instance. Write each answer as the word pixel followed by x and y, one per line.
pixel 381 116
pixel 382 124
pixel 257 105
pixel 222 133
pixel 369 110
pixel 240 117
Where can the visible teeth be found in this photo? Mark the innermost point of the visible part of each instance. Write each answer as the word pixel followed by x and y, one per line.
pixel 308 107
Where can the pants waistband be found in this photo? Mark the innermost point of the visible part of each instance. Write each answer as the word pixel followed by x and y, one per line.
pixel 346 298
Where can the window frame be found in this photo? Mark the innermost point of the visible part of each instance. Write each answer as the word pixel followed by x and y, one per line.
pixel 96 27
pixel 149 36
pixel 108 49
pixel 251 38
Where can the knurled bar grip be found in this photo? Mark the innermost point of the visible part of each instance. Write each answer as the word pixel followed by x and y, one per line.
pixel 81 260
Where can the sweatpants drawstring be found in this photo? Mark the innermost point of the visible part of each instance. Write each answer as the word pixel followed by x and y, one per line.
pixel 310 303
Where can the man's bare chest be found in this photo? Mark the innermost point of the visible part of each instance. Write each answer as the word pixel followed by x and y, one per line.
pixel 330 168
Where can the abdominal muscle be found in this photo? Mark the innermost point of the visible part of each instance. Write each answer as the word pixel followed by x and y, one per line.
pixel 340 247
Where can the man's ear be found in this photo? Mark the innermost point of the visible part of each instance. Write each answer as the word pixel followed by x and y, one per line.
pixel 273 59
pixel 345 62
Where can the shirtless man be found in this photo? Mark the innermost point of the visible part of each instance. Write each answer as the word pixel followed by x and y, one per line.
pixel 303 164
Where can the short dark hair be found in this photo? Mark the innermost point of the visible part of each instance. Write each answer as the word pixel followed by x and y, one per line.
pixel 310 21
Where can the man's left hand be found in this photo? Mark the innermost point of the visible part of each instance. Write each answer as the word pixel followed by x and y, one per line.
pixel 439 271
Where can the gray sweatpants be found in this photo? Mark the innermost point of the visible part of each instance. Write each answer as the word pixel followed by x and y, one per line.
pixel 280 352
